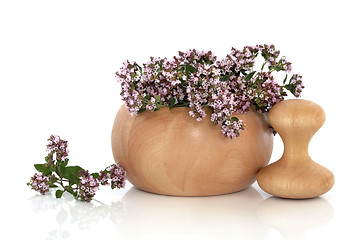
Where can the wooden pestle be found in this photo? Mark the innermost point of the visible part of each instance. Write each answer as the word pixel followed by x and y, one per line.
pixel 295 175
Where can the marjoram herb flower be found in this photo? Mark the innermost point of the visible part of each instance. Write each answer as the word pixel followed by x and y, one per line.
pixel 55 173
pixel 197 80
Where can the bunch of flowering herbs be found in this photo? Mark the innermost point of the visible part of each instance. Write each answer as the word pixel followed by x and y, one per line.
pixel 197 80
pixel 55 173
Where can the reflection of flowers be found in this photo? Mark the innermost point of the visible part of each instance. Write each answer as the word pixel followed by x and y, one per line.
pixel 44 203
pixel 84 214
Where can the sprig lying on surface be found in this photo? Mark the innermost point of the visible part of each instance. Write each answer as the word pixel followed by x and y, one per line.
pixel 55 173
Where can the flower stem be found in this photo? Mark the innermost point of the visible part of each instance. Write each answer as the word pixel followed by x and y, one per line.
pixel 262 67
pixel 61 178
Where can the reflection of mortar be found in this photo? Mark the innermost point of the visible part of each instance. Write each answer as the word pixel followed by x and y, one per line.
pixel 294 217
pixel 219 217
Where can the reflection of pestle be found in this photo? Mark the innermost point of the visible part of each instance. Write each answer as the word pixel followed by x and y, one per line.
pixel 216 217
pixel 295 175
pixel 294 217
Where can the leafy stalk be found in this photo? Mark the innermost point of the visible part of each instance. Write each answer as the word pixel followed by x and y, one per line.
pixel 72 179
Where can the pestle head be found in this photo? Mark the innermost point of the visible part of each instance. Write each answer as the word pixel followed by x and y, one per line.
pixel 297 181
pixel 294 115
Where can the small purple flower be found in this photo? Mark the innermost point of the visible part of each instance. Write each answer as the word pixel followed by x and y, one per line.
pixel 39 183
pixel 88 186
pixel 115 174
pixel 265 91
pixel 238 60
pixel 231 129
pixel 281 65
pixel 104 177
pixel 58 146
pixel 296 85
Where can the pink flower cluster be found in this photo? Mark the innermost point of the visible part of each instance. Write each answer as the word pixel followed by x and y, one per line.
pixel 88 186
pixel 116 174
pixel 201 79
pixel 89 183
pixel 72 179
pixel 130 87
pixel 239 60
pixel 39 183
pixel 58 146
pixel 197 80
pixel 295 86
pixel 231 128
pixel 264 91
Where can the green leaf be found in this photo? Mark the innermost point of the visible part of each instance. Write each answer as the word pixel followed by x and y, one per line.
pixel 172 101
pixel 43 169
pixel 225 77
pixel 95 175
pixel 156 109
pixel 234 119
pixel 65 163
pixel 51 185
pixel 142 110
pixel 264 55
pixel 262 67
pixel 74 169
pixel 52 168
pixel 157 98
pixel 277 68
pixel 249 76
pixel 285 79
pixel 74 179
pixel 137 65
pixel 189 68
pixel 291 88
pixel 59 193
pixel 72 174
pixel 243 72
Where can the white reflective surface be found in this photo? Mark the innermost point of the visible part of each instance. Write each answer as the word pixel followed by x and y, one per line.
pixel 293 218
pixel 133 214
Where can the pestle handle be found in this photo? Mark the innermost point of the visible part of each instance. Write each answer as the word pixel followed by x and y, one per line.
pixel 296 121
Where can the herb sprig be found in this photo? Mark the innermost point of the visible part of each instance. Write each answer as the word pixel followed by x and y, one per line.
pixel 55 173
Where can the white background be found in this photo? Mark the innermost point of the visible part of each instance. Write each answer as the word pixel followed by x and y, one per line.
pixel 57 65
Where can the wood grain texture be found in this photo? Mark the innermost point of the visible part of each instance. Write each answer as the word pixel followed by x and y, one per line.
pixel 296 175
pixel 168 152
